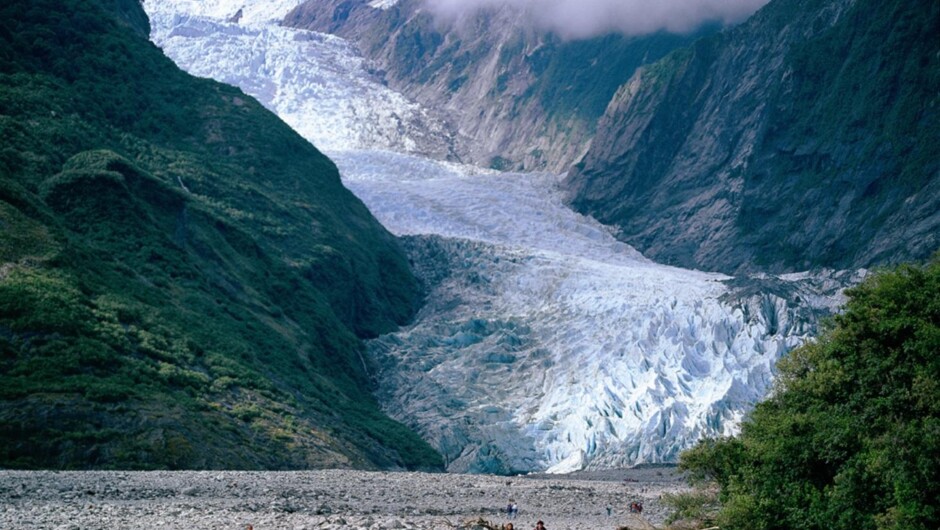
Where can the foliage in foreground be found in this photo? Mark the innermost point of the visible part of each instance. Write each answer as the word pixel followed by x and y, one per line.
pixel 850 438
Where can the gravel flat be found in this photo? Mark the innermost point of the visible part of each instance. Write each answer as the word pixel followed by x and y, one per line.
pixel 323 500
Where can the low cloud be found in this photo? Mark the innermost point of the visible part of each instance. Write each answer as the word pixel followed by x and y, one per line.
pixel 576 19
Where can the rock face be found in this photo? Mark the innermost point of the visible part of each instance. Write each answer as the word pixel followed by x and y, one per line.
pixel 804 137
pixel 517 97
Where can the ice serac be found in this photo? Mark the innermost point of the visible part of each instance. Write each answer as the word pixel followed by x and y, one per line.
pixel 805 137
pixel 519 96
pixel 545 343
pixel 296 74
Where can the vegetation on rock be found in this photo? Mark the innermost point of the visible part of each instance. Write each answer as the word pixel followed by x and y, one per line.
pixel 184 282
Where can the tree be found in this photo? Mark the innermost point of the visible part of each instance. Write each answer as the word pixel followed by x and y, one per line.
pixel 850 436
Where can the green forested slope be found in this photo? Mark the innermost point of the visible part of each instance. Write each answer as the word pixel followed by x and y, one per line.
pixel 850 438
pixel 184 282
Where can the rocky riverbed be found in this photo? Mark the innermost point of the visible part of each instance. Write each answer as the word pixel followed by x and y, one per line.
pixel 325 499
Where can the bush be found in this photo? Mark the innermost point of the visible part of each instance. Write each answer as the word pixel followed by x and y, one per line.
pixel 850 438
pixel 697 508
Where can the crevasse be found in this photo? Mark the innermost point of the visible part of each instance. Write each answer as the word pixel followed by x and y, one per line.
pixel 545 343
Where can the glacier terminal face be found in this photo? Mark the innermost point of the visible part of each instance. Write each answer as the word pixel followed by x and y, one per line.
pixel 545 343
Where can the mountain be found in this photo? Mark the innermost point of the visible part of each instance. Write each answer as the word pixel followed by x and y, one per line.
pixel 184 281
pixel 543 342
pixel 517 97
pixel 805 137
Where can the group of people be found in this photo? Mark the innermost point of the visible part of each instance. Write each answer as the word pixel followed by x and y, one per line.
pixel 512 510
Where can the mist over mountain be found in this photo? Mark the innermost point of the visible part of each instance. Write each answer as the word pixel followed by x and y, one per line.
pixel 517 95
pixel 581 19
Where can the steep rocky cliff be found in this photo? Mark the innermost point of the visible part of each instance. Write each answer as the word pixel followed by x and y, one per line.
pixel 517 97
pixel 805 137
pixel 184 281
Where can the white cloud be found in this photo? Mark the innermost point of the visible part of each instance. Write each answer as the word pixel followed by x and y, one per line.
pixel 586 18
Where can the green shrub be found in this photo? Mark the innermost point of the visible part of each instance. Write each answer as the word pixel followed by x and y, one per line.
pixel 699 506
pixel 42 301
pixel 850 437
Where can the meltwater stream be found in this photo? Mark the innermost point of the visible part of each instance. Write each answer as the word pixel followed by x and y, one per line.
pixel 545 343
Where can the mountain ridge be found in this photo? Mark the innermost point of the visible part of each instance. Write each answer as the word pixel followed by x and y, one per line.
pixel 760 149
pixel 195 272
pixel 539 96
pixel 544 343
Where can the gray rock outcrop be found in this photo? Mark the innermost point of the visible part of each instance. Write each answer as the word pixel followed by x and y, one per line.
pixel 518 97
pixel 805 137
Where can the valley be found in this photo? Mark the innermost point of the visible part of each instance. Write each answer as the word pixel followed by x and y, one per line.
pixel 393 264
pixel 544 342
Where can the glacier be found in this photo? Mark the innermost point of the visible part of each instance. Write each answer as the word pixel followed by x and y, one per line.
pixel 316 83
pixel 545 344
